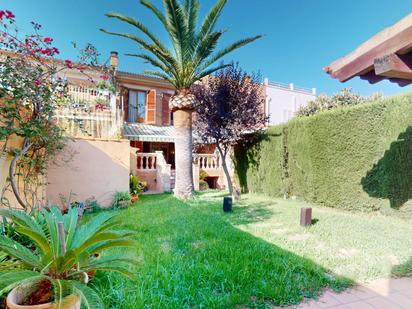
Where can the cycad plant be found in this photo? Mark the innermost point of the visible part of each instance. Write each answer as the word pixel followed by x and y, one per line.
pixel 61 260
pixel 191 58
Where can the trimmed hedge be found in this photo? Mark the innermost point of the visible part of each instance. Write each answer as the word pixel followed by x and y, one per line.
pixel 354 158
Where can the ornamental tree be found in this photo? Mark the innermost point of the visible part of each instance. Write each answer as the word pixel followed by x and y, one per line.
pixel 231 105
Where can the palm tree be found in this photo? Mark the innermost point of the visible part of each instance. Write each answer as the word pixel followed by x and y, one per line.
pixel 191 58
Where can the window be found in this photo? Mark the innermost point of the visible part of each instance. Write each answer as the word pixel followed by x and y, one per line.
pixel 137 106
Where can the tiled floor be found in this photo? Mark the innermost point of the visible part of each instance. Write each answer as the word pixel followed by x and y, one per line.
pixel 380 294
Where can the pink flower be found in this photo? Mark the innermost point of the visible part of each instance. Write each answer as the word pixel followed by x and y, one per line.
pixel 37 83
pixel 9 14
pixel 105 77
pixel 47 40
pixel 68 64
pixel 2 14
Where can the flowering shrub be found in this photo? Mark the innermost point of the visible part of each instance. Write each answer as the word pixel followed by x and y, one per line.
pixel 30 89
pixel 345 97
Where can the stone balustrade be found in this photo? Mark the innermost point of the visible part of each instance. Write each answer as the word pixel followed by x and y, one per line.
pixel 207 161
pixel 146 161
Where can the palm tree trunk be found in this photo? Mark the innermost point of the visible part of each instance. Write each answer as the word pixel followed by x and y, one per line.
pixel 183 153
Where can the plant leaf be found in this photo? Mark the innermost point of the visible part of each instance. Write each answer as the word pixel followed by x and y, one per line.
pixel 90 299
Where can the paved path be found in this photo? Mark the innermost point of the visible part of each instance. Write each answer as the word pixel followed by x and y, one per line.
pixel 380 294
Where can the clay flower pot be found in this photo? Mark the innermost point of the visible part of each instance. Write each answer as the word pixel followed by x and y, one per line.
pixel 135 198
pixel 20 293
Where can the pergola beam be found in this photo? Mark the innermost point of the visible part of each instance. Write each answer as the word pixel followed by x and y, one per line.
pixel 394 66
pixel 395 41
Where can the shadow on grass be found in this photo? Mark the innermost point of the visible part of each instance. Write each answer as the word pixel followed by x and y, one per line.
pixel 192 256
pixel 244 212
pixel 404 269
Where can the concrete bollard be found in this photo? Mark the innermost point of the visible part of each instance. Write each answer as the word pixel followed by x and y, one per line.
pixel 306 216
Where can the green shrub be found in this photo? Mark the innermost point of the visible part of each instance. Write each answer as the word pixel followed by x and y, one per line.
pixel 260 168
pixel 202 175
pixel 346 97
pixel 134 185
pixel 121 199
pixel 203 185
pixel 354 158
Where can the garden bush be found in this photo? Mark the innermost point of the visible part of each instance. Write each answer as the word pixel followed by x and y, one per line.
pixel 354 158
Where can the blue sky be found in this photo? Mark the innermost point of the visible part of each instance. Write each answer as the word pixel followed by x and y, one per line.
pixel 301 36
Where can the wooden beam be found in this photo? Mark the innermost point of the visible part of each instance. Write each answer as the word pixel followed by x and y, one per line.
pixel 396 39
pixel 394 66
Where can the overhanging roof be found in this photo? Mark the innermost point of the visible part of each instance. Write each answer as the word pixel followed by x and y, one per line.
pixel 149 133
pixel 387 55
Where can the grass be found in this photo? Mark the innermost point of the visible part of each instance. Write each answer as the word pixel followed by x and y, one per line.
pixel 192 255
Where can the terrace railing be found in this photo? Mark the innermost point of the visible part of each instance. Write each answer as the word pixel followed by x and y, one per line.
pixel 146 161
pixel 207 161
pixel 78 122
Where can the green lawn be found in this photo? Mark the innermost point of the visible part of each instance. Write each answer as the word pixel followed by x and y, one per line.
pixel 192 255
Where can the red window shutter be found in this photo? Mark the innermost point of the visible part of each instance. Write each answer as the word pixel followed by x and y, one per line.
pixel 151 107
pixel 165 109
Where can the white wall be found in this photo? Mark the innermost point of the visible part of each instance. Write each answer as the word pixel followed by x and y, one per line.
pixel 282 101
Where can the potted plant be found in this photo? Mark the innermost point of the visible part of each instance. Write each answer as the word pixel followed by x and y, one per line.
pixel 134 188
pixel 54 274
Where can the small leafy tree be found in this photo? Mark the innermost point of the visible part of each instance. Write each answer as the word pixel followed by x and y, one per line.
pixel 231 104
pixel 346 97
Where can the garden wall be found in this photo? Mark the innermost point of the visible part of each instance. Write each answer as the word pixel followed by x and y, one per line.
pixel 89 168
pixel 351 158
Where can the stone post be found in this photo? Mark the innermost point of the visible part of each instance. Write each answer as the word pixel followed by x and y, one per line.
pixel 196 172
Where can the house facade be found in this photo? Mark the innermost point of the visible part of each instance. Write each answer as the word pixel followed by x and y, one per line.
pixel 136 114
pixel 283 100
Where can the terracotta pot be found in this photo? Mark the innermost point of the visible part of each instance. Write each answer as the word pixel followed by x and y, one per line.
pixel 18 294
pixel 135 198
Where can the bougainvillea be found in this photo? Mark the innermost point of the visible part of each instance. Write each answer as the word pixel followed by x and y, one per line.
pixel 30 89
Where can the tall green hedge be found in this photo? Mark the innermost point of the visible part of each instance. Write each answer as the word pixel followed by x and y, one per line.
pixel 355 158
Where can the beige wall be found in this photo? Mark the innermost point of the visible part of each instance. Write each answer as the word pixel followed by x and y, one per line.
pixel 90 168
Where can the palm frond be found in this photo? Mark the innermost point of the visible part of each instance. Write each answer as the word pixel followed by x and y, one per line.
pixel 177 28
pixel 12 279
pixel 51 227
pixel 138 25
pixel 167 59
pixel 70 225
pixel 22 219
pixel 16 250
pixel 211 18
pixel 113 244
pixel 85 231
pixel 98 238
pixel 161 75
pixel 155 11
pixel 152 61
pixel 38 239
pixel 115 267
pixel 211 71
pixel 90 299
pixel 208 62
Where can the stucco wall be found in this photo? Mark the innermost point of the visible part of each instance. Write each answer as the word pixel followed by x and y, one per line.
pixel 89 168
pixel 283 102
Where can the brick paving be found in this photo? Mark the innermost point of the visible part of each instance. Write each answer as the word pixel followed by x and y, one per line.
pixel 379 294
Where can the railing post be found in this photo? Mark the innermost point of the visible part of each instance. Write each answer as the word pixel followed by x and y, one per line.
pixel 163 173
